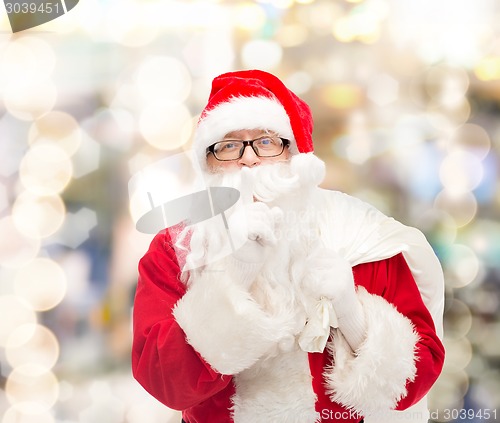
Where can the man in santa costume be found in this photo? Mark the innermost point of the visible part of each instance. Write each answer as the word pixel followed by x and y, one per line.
pixel 324 310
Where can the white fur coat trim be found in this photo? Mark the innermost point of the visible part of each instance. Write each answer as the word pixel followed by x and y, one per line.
pixel 276 389
pixel 374 378
pixel 226 326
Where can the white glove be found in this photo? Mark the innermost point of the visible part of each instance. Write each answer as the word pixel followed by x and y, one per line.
pixel 330 276
pixel 253 231
pixel 253 227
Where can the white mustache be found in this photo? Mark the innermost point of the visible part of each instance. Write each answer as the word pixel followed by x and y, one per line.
pixel 270 182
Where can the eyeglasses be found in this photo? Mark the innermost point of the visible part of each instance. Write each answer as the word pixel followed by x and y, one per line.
pixel 267 146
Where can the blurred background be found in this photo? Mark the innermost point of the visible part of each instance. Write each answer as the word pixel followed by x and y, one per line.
pixel 406 100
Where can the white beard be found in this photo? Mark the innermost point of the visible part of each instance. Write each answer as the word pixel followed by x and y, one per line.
pixel 287 185
pixel 277 183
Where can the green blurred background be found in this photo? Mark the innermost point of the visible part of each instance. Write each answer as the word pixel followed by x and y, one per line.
pixel 406 100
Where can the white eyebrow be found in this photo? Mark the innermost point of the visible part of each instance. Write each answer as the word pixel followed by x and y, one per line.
pixel 266 132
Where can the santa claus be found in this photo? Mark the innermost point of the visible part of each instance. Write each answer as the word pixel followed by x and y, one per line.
pixel 324 310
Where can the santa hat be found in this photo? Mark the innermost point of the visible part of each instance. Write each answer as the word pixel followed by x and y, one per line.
pixel 253 99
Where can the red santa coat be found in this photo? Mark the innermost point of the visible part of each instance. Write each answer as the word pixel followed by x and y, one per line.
pixel 200 350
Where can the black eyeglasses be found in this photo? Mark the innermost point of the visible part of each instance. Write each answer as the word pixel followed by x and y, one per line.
pixel 267 146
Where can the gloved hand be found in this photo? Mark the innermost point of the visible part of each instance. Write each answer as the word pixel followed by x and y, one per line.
pixel 328 275
pixel 253 227
pixel 253 231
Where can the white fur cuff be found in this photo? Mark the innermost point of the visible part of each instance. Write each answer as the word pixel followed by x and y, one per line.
pixel 374 379
pixel 226 326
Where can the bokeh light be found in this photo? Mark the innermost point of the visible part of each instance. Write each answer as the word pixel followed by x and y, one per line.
pixel 261 54
pixel 292 35
pixel 448 85
pixel 249 16
pixel 43 54
pixel 42 283
pixel 19 313
pixel 45 170
pixel 383 89
pixel 132 23
pixel 18 64
pixel 359 25
pixel 483 237
pixel 342 96
pixel 460 172
pixel 32 388
pixel 163 78
pixel 459 320
pixel 471 138
pixel 31 100
pixel 300 82
pixel 38 217
pixel 462 207
pixel 488 69
pixel 59 128
pixel 16 249
pixel 459 353
pixel 165 125
pixel 25 61
pixel 465 268
pixel 451 118
pixel 32 344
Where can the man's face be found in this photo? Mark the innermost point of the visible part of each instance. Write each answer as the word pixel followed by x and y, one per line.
pixel 249 158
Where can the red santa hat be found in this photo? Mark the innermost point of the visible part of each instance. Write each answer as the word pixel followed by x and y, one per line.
pixel 253 99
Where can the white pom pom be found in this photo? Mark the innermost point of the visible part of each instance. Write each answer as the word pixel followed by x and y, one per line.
pixel 309 168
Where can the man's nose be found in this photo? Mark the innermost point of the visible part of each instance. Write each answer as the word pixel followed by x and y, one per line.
pixel 249 158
